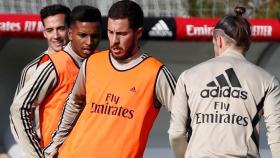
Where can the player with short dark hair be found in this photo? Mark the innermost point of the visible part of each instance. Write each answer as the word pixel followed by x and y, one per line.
pixel 117 95
pixel 53 80
pixel 55 19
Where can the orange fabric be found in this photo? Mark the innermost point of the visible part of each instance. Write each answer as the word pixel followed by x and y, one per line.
pixel 119 111
pixel 44 58
pixel 51 108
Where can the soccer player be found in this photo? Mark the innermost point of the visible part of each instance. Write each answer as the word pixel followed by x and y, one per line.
pixel 219 114
pixel 55 20
pixel 117 95
pixel 52 81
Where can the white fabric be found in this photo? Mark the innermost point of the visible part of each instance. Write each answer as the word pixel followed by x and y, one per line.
pixel 223 97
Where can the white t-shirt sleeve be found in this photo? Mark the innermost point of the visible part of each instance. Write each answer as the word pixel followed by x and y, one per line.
pixel 165 87
pixel 179 111
pixel 30 96
pixel 272 116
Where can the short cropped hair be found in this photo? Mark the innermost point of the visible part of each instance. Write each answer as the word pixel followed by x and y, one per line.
pixel 54 9
pixel 85 13
pixel 127 9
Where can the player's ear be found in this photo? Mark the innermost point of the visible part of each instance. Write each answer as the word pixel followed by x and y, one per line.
pixel 220 41
pixel 70 33
pixel 45 33
pixel 139 32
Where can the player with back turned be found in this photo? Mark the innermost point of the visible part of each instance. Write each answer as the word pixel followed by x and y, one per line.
pixel 219 114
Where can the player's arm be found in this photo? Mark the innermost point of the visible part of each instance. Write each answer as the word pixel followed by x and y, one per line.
pixel 179 115
pixel 26 73
pixel 165 87
pixel 73 107
pixel 272 117
pixel 31 95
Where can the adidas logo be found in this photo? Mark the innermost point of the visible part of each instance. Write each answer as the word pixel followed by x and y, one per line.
pixel 133 89
pixel 160 30
pixel 227 87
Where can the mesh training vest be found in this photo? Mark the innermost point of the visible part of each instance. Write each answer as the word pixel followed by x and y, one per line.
pixel 51 108
pixel 119 111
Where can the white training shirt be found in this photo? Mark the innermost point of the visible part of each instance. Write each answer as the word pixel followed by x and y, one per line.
pixel 33 93
pixel 218 105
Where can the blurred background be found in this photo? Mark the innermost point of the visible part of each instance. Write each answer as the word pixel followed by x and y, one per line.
pixel 16 50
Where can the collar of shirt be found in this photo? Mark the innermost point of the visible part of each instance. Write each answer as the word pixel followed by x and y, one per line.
pixel 46 51
pixel 233 53
pixel 128 63
pixel 79 60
